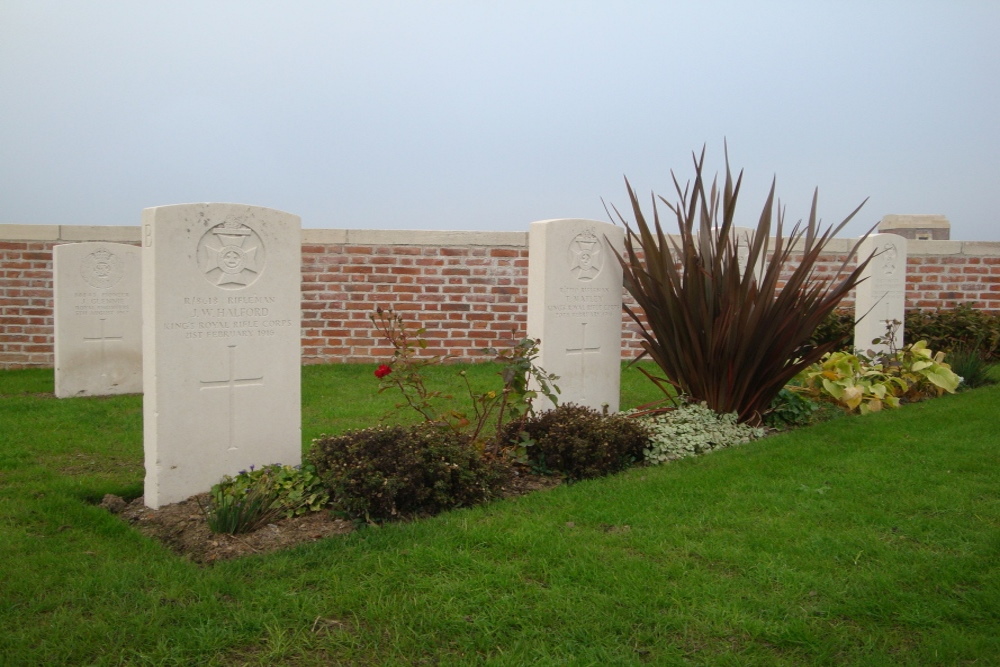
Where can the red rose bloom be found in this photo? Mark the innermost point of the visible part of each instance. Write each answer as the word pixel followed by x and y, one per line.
pixel 382 371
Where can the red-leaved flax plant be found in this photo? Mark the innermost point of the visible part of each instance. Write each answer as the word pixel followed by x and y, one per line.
pixel 727 335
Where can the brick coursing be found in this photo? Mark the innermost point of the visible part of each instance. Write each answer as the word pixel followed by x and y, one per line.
pixel 466 296
pixel 25 304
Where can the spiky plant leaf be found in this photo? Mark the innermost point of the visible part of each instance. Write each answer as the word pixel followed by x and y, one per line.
pixel 727 336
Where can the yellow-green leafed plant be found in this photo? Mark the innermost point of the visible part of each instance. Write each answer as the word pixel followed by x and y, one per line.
pixel 853 382
pixel 919 366
pixel 865 384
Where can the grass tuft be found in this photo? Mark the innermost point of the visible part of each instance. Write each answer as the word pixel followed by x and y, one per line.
pixel 243 513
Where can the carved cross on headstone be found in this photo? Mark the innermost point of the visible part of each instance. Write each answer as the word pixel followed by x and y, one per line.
pixel 583 350
pixel 102 338
pixel 231 383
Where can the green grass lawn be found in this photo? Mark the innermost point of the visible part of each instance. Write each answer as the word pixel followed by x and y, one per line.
pixel 864 540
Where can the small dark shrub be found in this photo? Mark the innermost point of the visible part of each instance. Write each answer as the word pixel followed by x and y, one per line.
pixel 790 408
pixel 579 442
pixel 837 326
pixel 387 472
pixel 953 329
pixel 949 330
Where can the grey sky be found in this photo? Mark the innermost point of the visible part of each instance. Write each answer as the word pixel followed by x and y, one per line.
pixel 487 115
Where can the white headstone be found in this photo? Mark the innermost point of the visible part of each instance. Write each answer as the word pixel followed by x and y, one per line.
pixel 881 298
pixel 98 319
pixel 221 344
pixel 575 308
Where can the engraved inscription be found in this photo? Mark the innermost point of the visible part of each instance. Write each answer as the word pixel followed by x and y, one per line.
pixel 888 285
pixel 229 317
pixel 101 303
pixel 231 383
pixel 231 254
pixel 102 268
pixel 585 302
pixel 586 256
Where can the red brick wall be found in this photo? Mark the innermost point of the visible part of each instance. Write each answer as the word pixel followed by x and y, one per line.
pixel 467 298
pixel 947 281
pixel 467 295
pixel 934 282
pixel 25 304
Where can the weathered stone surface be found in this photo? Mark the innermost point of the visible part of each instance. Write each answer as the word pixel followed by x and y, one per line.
pixel 575 308
pixel 221 344
pixel 98 319
pixel 881 297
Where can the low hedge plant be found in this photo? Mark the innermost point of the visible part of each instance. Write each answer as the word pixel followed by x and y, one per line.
pixel 578 442
pixel 391 472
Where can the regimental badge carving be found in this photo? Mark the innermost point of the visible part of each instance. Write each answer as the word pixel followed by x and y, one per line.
pixel 586 256
pixel 102 268
pixel 889 258
pixel 231 255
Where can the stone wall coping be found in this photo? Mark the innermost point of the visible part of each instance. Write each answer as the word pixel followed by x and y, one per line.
pixel 132 234
pixel 414 237
pixel 834 245
pixel 116 233
pixel 981 247
pixel 915 247
pixel 121 233
pixel 323 236
pixel 29 232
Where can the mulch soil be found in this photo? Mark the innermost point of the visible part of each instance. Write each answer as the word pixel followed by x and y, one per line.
pixel 183 529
